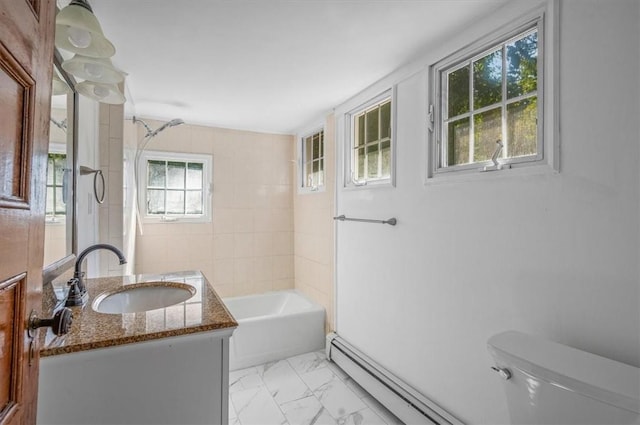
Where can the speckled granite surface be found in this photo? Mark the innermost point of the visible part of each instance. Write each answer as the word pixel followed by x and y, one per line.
pixel 90 329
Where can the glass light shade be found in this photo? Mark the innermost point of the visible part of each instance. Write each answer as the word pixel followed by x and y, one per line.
pixel 58 86
pixel 99 70
pixel 78 37
pixel 103 93
pixel 78 31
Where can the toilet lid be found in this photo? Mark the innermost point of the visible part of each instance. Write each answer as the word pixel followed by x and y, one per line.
pixel 593 376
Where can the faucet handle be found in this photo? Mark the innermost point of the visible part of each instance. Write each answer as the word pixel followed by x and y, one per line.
pixel 77 295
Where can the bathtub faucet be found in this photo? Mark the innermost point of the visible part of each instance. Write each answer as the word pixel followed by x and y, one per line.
pixel 77 290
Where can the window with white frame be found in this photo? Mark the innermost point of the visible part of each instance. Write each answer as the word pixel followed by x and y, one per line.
pixel 312 154
pixel 488 102
pixel 371 142
pixel 174 186
pixel 56 185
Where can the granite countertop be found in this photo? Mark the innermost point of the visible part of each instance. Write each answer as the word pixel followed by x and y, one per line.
pixel 205 311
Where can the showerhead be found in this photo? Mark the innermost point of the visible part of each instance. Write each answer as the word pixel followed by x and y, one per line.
pixel 174 122
pixel 152 133
pixel 164 126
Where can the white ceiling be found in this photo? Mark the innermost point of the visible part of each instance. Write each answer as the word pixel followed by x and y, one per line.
pixel 268 65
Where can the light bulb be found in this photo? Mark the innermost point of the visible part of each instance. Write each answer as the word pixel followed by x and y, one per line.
pixel 93 70
pixel 100 91
pixel 78 37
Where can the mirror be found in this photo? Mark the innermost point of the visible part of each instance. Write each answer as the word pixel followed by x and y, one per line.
pixel 59 241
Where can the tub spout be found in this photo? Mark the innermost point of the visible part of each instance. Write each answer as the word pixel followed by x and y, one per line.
pixel 77 290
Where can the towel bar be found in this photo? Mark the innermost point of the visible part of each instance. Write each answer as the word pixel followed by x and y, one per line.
pixel 391 221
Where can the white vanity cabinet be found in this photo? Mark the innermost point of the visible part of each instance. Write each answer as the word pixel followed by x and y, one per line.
pixel 168 365
pixel 174 380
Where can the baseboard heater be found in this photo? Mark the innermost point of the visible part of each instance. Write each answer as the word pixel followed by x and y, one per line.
pixel 406 403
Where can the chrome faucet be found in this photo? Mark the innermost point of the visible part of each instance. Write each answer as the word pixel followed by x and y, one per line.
pixel 77 290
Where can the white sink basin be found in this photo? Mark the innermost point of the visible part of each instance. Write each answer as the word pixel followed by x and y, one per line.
pixel 143 297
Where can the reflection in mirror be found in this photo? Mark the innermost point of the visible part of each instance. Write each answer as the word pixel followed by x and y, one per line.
pixel 58 243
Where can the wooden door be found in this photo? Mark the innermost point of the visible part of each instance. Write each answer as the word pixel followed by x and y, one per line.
pixel 26 58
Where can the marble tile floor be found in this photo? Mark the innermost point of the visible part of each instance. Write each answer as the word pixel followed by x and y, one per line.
pixel 302 390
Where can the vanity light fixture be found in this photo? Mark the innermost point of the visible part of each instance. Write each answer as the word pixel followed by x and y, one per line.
pixel 102 92
pixel 99 70
pixel 78 31
pixel 58 86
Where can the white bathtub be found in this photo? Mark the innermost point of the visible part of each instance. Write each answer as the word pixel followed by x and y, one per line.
pixel 273 326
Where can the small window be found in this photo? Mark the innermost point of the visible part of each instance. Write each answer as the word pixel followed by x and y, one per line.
pixel 175 186
pixel 371 142
pixel 489 113
pixel 312 153
pixel 56 186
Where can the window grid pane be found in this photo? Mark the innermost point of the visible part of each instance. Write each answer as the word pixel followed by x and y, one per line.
pixel 60 208
pixel 308 148
pixel 371 160
pixel 320 176
pixel 522 127
pixel 313 164
pixel 371 128
pixel 487 80
pixel 50 169
pixel 522 65
pixel 56 169
pixel 458 89
pixel 176 174
pixel 50 202
pixel 459 140
pixel 308 175
pixel 194 175
pixel 175 201
pixel 487 129
pixel 316 146
pixel 155 201
pixel 157 172
pixel 503 100
pixel 360 164
pixel 175 187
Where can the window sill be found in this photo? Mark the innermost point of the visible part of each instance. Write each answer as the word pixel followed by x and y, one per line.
pixel 371 184
pixel 477 175
pixel 311 191
pixel 172 220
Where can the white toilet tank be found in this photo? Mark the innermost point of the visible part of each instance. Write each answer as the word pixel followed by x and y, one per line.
pixel 550 383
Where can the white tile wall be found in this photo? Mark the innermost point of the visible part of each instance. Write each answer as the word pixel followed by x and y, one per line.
pixel 248 248
pixel 313 234
pixel 110 213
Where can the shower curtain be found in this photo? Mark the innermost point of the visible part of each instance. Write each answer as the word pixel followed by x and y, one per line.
pixel 129 201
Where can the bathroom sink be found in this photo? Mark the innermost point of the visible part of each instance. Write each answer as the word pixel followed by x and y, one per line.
pixel 143 297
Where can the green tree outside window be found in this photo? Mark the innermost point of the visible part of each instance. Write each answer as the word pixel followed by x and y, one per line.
pixel 492 96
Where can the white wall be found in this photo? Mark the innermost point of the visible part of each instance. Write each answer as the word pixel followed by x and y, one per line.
pixel 552 254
